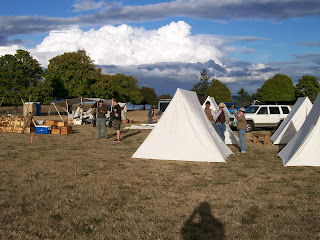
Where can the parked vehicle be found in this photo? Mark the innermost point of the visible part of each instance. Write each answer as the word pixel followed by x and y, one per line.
pixel 264 116
pixel 231 106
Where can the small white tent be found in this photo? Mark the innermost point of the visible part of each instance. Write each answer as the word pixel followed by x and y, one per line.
pixel 293 122
pixel 303 149
pixel 230 137
pixel 183 133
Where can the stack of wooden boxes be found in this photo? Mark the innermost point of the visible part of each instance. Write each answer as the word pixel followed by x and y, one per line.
pixel 15 125
pixel 59 127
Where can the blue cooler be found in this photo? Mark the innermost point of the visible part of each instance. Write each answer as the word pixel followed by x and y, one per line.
pixel 43 129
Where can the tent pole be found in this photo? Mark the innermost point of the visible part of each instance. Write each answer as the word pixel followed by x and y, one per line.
pixel 57 111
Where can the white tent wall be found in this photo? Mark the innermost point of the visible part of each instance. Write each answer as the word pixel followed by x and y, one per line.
pixel 183 133
pixel 230 137
pixel 123 111
pixel 303 149
pixel 293 122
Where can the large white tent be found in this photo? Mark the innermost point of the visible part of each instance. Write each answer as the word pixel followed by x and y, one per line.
pixel 303 149
pixel 293 122
pixel 183 133
pixel 230 137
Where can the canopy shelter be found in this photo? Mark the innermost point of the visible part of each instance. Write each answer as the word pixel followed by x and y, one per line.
pixel 293 122
pixel 230 137
pixel 91 102
pixel 303 149
pixel 66 103
pixel 184 133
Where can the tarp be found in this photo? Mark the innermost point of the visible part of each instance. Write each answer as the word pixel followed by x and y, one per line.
pixel 107 102
pixel 303 149
pixel 230 137
pixel 184 133
pixel 69 102
pixel 293 122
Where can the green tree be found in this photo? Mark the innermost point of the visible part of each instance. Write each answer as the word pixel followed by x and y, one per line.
pixel 149 95
pixel 219 91
pixel 164 96
pixel 126 89
pixel 243 96
pixel 72 75
pixel 201 87
pixel 19 75
pixel 103 88
pixel 277 89
pixel 42 92
pixel 309 86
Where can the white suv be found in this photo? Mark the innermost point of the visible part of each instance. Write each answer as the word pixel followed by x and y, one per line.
pixel 264 116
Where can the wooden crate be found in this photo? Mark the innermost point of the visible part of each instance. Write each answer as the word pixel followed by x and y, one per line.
pixel 62 124
pixel 55 131
pixel 50 122
pixel 66 130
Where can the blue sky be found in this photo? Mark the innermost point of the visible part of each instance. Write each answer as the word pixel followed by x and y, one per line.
pixel 166 44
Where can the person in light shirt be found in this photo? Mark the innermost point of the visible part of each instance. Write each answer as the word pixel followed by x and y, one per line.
pixel 242 124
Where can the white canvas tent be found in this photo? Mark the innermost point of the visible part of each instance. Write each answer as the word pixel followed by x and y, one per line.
pixel 303 149
pixel 183 133
pixel 293 122
pixel 230 137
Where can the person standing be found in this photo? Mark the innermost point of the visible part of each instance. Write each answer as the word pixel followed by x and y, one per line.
pixel 151 114
pixel 242 123
pixel 101 119
pixel 222 121
pixel 116 122
pixel 210 113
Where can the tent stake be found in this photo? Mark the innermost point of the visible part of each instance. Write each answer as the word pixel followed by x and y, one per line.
pixel 75 170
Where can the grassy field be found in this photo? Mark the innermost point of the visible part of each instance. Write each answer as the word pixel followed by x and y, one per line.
pixel 114 196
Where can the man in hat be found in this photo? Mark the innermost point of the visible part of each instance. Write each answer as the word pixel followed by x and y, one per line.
pixel 242 124
pixel 222 121
pixel 101 118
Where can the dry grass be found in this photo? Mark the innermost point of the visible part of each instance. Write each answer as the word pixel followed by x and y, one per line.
pixel 252 196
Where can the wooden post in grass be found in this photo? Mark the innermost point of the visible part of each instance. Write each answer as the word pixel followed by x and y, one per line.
pixel 75 170
pixel 1 101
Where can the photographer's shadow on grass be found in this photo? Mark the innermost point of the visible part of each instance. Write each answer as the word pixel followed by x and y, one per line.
pixel 202 225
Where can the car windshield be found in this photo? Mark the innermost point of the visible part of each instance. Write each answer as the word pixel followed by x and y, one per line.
pixel 251 109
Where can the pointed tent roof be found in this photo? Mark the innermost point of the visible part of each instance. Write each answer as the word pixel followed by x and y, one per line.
pixel 293 122
pixel 183 133
pixel 303 149
pixel 230 137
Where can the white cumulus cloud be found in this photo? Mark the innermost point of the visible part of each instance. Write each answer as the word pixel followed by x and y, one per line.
pixel 125 45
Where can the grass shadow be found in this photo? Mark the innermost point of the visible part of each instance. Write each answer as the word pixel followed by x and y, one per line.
pixel 130 135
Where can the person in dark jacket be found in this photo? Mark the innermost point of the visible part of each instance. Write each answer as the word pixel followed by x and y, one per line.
pixel 101 119
pixel 116 122
pixel 222 117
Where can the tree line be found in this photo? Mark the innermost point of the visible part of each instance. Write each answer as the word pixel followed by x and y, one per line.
pixel 74 74
pixel 278 89
pixel 69 75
